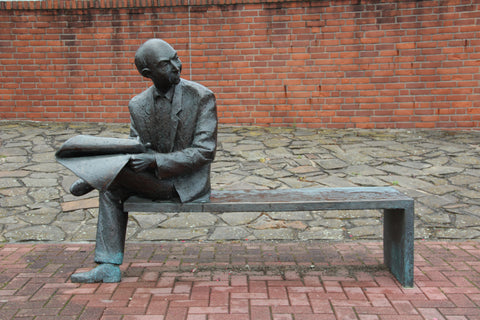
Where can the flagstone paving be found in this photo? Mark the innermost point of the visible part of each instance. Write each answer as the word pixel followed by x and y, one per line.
pixel 439 169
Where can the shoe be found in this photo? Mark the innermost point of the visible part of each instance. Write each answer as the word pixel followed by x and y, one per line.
pixel 102 273
pixel 80 187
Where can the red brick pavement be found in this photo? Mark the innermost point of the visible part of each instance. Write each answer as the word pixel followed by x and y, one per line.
pixel 236 281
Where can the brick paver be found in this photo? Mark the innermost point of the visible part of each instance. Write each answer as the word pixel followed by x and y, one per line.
pixel 248 280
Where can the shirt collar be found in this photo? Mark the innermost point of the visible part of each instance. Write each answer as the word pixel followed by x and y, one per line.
pixel 168 95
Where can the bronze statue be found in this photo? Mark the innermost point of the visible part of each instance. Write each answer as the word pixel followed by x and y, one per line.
pixel 174 131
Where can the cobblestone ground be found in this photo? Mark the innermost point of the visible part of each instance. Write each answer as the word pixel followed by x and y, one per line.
pixel 242 281
pixel 439 169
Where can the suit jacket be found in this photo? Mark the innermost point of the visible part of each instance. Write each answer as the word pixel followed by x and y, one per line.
pixel 193 136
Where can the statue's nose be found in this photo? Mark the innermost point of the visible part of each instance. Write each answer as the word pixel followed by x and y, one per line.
pixel 177 64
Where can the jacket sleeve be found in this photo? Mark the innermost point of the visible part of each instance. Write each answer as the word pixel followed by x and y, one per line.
pixel 133 132
pixel 135 106
pixel 202 149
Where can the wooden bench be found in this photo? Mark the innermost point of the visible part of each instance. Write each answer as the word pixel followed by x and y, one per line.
pixel 398 212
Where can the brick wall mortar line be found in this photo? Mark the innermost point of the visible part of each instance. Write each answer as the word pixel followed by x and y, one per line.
pixel 120 4
pixel 340 64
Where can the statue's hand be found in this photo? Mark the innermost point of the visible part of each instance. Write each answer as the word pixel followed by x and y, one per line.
pixel 141 161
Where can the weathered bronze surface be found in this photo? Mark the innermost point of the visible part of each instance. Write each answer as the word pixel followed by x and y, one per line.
pixel 172 143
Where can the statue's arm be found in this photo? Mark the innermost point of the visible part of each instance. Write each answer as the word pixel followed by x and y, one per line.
pixel 133 132
pixel 201 151
pixel 141 161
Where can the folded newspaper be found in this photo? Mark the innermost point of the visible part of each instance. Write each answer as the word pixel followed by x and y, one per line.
pixel 97 160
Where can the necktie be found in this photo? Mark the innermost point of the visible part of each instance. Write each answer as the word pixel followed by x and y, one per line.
pixel 163 110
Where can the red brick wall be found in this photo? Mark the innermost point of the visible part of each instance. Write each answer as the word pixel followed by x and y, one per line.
pixel 335 64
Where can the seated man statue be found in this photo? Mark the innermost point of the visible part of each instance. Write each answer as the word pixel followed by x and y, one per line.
pixel 176 122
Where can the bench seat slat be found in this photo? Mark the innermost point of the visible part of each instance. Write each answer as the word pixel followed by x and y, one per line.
pixel 306 199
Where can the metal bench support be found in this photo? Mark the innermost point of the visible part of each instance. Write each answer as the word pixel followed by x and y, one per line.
pixel 398 245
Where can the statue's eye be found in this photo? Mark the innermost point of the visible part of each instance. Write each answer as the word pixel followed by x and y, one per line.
pixel 163 64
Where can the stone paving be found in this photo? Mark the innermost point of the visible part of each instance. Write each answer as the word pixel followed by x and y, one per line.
pixel 211 275
pixel 242 281
pixel 439 169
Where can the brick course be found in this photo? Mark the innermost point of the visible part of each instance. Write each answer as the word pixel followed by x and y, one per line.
pixel 347 286
pixel 334 64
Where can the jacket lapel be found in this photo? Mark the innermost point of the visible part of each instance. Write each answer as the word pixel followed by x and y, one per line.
pixel 176 109
pixel 145 114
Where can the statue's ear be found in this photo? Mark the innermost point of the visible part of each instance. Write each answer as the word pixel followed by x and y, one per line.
pixel 146 72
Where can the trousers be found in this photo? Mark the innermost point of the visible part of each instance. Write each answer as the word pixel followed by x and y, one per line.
pixel 112 220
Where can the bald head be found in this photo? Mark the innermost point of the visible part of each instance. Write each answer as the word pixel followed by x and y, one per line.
pixel 148 50
pixel 157 60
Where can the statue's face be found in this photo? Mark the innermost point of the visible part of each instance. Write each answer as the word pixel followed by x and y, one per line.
pixel 164 65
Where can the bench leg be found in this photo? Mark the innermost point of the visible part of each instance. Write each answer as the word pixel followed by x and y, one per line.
pixel 398 239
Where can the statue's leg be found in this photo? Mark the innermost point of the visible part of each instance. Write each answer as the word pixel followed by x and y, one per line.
pixel 110 240
pixel 111 227
pixel 112 222
pixel 145 184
